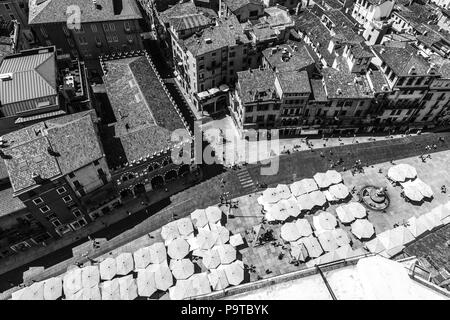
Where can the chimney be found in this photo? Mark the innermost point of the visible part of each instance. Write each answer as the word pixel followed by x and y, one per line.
pixel 37 178
pixel 117 6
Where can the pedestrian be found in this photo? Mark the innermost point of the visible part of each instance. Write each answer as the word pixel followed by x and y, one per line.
pixel 435 146
pixel 90 238
pixel 129 212
pixel 321 154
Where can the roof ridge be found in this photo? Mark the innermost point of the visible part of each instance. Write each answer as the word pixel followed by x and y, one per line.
pixel 38 70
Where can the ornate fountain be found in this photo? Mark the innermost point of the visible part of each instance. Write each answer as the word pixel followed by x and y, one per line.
pixel 374 198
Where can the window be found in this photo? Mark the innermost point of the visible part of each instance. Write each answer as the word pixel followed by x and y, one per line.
pixel 7 7
pixel 105 27
pixel 126 25
pixel 45 209
pixel 271 117
pixel 38 201
pixel 71 43
pixel 96 163
pixel 66 31
pixel 260 118
pixel 94 27
pixel 67 199
pixel 61 190
pixel 71 175
pixel 83 40
pixel 44 32
pixel 248 108
pixel 56 223
pixel 248 119
pixel 51 216
pixel 112 27
pixel 12 17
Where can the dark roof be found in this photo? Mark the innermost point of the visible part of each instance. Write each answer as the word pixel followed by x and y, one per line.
pixel 145 115
pixel 294 82
pixel 345 85
pixel 401 60
pixel 51 11
pixel 234 5
pixel 183 16
pixel 339 18
pixel 190 22
pixel 178 10
pixel 318 90
pixel 9 203
pixel 333 4
pixel 74 142
pixel 361 51
pixel 415 13
pixel 35 72
pixel 260 83
pixel 298 60
pixel 228 32
pixel 377 80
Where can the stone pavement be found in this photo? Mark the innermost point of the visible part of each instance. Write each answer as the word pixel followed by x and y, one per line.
pixel 189 199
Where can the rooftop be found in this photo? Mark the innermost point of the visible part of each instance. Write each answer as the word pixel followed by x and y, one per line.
pixel 36 72
pixel 234 5
pixel 287 58
pixel 318 90
pixel 402 60
pixel 145 115
pixel 345 85
pixel 256 85
pixel 9 203
pixel 228 32
pixel 377 80
pixel 361 51
pixel 51 11
pixel 294 82
pixel 183 16
pixel 51 148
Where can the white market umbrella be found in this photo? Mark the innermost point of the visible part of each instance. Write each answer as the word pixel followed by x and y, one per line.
pixel 283 191
pixel 223 234
pixel 181 269
pixel 108 269
pixel 442 211
pixel 322 180
pixel 290 232
pixel 343 252
pixel 53 288
pixel 303 186
pixel 299 252
pixel 234 272
pixel 395 237
pixel 170 231
pixel 199 218
pixel 344 215
pixel 416 226
pixel 329 196
pixel 214 214
pixel 34 292
pixel 279 212
pixel 90 276
pixel 110 290
pixel 142 257
pixel 206 239
pixel 125 263
pixel 178 249
pixel 163 276
pixel 291 206
pixel 324 221
pixel 375 245
pixel 211 259
pixel 433 219
pixel 303 227
pixel 145 282
pixel 227 253
pixel 327 241
pixel 341 237
pixel 312 246
pixel 270 195
pixel 356 209
pixel 218 279
pixel 183 289
pixel 236 240
pixel 185 226
pixel 158 253
pixel 296 188
pixel 91 293
pixel 424 189
pixel 72 281
pixel 318 198
pixel 408 171
pixel 333 176
pixel 363 229
pixel 396 174
pixel 340 191
pixel 412 193
pixel 128 288
pixel 305 202
pixel 200 284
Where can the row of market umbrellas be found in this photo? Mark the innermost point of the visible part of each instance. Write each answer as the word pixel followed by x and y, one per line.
pixel 391 242
pixel 326 179
pixel 402 172
pixel 416 190
pixel 344 252
pixel 347 213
